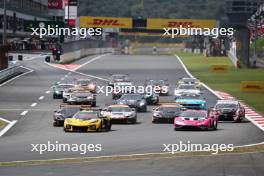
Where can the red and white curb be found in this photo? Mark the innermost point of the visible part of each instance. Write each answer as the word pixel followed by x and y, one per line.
pixel 256 118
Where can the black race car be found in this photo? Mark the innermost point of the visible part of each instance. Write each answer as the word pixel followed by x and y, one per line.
pixel 160 86
pixel 152 99
pixel 121 88
pixel 118 78
pixel 64 112
pixel 59 88
pixel 166 112
pixel 136 101
pixel 83 98
pixel 230 110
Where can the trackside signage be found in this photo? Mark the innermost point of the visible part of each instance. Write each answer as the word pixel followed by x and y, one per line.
pixel 105 22
pixel 252 86
pixel 153 23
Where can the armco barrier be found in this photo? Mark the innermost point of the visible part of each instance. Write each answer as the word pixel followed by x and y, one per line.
pixel 9 72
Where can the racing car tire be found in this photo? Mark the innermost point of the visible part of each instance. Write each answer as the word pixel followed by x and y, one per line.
pixel 55 124
pixel 93 104
pixel 133 121
pixel 215 124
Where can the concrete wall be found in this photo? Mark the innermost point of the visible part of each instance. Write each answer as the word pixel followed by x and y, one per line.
pixel 75 55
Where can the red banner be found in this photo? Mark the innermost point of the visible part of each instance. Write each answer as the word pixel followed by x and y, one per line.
pixel 55 4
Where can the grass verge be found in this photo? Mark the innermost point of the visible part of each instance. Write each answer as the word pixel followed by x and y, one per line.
pixel 228 81
pixel 2 124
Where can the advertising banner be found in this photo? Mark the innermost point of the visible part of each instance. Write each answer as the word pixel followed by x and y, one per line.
pixel 153 23
pixel 105 22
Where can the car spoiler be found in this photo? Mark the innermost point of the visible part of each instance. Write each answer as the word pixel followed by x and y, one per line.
pixel 168 103
pixel 82 107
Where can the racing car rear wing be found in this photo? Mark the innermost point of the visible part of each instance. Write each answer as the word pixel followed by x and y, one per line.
pixel 82 107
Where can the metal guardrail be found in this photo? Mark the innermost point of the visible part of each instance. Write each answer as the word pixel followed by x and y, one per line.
pixel 9 72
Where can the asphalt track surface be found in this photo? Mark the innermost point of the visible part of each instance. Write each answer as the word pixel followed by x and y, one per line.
pixel 229 165
pixel 35 127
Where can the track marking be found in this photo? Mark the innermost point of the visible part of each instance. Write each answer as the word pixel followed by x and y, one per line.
pixel 62 79
pixel 92 76
pixel 24 113
pixel 47 92
pixel 41 97
pixel 10 125
pixel 88 62
pixel 33 104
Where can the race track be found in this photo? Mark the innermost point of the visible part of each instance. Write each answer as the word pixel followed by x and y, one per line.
pixel 36 125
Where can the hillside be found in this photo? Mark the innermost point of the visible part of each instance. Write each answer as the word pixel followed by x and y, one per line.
pixel 207 9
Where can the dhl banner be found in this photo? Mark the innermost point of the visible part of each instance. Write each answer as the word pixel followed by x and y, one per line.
pixel 153 23
pixel 105 22
pixel 219 68
pixel 252 86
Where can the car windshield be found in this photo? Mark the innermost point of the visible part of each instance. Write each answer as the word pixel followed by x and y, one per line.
pixel 189 80
pixel 64 86
pixel 81 94
pixel 194 114
pixel 190 97
pixel 131 96
pixel 119 109
pixel 83 82
pixel 156 82
pixel 86 115
pixel 169 109
pixel 183 86
pixel 119 76
pixel 67 111
pixel 229 106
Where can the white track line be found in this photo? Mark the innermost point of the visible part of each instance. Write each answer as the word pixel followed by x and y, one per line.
pixel 90 61
pixel 11 124
pixel 47 92
pixel 5 120
pixel 41 97
pixel 33 104
pixel 92 76
pixel 24 113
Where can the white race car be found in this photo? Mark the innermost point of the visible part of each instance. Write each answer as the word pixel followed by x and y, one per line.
pixel 191 81
pixel 186 88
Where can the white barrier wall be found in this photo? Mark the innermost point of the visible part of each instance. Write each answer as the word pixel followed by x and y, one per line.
pixel 75 55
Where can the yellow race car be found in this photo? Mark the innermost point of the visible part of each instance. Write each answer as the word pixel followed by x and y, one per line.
pixel 87 121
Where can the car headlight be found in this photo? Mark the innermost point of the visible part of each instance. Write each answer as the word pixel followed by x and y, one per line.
pixel 93 121
pixel 142 103
pixel 156 114
pixel 179 122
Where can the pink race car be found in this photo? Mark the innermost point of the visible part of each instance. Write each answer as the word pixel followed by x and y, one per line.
pixel 196 119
